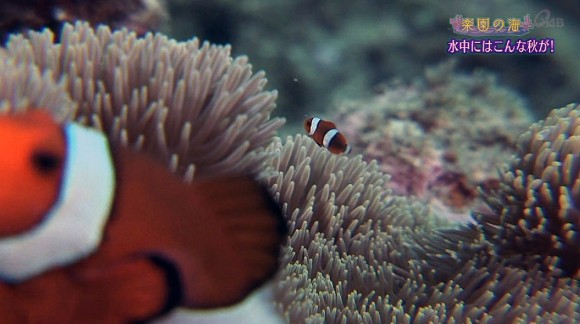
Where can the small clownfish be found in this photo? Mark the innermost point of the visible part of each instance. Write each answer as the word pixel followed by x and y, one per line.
pixel 90 233
pixel 325 134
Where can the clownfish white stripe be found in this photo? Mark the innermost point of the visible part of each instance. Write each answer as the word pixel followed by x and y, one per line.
pixel 314 126
pixel 328 137
pixel 256 308
pixel 73 227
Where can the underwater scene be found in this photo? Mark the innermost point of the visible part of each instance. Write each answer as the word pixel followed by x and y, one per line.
pixel 306 161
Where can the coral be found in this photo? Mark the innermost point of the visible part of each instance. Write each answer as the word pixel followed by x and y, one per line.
pixel 188 104
pixel 439 137
pixel 537 207
pixel 137 15
pixel 357 254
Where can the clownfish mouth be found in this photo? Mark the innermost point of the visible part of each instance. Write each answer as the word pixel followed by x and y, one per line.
pixel 174 295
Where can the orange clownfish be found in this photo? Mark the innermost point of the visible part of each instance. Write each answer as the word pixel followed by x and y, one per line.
pixel 325 134
pixel 93 234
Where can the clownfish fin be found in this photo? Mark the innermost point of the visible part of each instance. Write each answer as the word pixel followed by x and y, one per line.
pixel 253 231
pixel 129 290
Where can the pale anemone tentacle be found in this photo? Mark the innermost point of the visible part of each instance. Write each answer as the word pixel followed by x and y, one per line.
pixel 186 103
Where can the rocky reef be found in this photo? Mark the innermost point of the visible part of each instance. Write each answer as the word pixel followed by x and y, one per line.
pixel 439 137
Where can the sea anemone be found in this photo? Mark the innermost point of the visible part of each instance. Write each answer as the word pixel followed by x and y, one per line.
pixel 355 252
pixel 188 104
pixel 24 85
pixel 537 208
pixel 358 254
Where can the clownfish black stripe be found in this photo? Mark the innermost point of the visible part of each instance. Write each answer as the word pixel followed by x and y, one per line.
pixel 325 134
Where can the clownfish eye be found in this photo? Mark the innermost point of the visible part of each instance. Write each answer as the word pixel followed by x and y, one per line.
pixel 46 162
